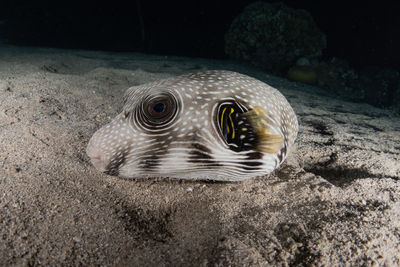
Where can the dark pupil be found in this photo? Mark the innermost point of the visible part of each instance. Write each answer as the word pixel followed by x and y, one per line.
pixel 159 107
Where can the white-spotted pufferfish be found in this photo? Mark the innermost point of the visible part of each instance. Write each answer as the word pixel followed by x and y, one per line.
pixel 214 124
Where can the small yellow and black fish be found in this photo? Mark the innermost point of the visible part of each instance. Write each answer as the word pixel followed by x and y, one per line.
pixel 215 124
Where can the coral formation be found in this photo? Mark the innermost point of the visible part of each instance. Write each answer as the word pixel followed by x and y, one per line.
pixel 303 61
pixel 273 36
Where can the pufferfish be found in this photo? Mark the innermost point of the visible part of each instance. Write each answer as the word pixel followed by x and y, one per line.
pixel 213 125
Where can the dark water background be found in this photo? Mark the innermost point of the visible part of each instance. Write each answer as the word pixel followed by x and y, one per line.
pixel 364 33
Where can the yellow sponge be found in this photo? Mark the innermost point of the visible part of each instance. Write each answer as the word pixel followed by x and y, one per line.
pixel 303 74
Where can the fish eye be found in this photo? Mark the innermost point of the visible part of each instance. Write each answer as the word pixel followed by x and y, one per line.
pixel 159 109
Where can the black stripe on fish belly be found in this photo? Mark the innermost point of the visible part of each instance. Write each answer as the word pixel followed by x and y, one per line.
pixel 282 154
pixel 113 167
pixel 112 171
pixel 254 155
pixel 150 162
pixel 253 161
pixel 200 154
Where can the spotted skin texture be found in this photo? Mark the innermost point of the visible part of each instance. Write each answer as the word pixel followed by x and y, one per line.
pixel 186 140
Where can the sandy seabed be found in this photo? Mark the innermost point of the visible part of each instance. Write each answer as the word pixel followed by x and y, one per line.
pixel 336 200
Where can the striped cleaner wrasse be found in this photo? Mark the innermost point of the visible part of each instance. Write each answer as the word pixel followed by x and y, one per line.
pixel 214 124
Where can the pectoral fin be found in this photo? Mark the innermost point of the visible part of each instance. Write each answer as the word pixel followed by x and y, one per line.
pixel 268 143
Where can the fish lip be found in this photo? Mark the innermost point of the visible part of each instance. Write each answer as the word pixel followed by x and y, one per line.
pixel 97 158
pixel 98 163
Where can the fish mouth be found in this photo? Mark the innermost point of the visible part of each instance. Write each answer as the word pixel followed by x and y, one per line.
pixel 97 158
pixel 96 154
pixel 98 163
